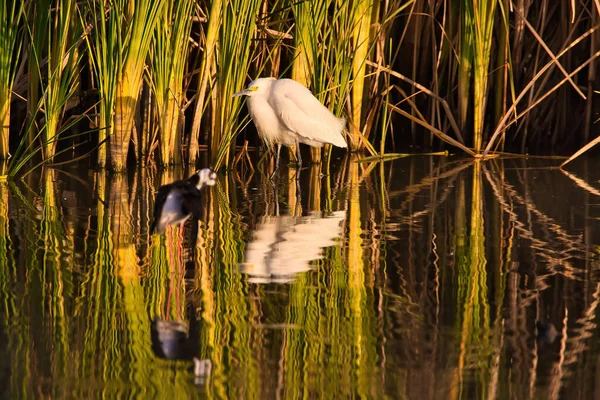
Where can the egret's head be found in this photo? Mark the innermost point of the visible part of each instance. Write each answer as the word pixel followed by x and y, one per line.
pixel 256 87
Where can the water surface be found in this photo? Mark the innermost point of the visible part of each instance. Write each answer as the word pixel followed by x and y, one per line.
pixel 423 277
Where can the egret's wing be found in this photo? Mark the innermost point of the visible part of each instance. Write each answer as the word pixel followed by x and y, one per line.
pixel 303 114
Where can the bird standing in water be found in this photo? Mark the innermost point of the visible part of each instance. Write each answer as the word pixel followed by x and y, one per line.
pixel 179 200
pixel 286 113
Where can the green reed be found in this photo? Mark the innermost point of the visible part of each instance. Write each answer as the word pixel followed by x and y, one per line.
pixel 38 26
pixel 205 74
pixel 62 31
pixel 168 59
pixel 120 41
pixel 340 50
pixel 238 22
pixel 361 23
pixel 477 25
pixel 329 42
pixel 11 13
pixel 103 50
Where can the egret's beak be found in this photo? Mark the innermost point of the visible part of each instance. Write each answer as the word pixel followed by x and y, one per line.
pixel 242 93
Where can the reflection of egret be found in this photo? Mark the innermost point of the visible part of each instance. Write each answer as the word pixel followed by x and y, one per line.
pixel 179 200
pixel 282 247
pixel 286 113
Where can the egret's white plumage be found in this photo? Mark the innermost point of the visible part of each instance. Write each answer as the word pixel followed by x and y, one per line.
pixel 286 113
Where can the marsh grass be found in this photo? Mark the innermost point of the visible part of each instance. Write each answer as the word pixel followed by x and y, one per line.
pixel 120 41
pixel 382 66
pixel 11 43
pixel 234 56
pixel 168 58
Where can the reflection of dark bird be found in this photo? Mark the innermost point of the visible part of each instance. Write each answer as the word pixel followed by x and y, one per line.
pixel 170 339
pixel 546 332
pixel 179 200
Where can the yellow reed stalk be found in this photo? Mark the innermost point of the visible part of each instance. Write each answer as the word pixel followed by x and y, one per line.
pixel 302 66
pixel 139 25
pixel 62 71
pixel 314 193
pixel 208 56
pixel 168 59
pixel 5 95
pixel 360 35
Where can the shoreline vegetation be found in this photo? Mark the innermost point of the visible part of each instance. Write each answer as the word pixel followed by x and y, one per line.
pixel 151 82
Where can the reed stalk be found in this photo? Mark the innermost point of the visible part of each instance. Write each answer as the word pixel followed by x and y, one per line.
pixel 168 58
pixel 477 23
pixel 135 34
pixel 233 61
pixel 62 69
pixel 37 16
pixel 122 33
pixel 309 17
pixel 361 44
pixel 104 56
pixel 483 15
pixel 11 13
pixel 204 78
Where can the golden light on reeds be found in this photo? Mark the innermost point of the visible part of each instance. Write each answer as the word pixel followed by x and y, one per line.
pixel 10 50
pixel 185 60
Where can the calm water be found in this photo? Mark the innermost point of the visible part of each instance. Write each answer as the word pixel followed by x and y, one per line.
pixel 421 278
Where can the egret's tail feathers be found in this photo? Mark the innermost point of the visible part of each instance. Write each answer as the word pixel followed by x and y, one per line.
pixel 337 139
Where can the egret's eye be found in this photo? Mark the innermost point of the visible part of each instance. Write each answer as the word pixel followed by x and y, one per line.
pixel 253 88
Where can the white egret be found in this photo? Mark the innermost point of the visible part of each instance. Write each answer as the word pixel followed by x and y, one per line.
pixel 286 113
pixel 179 200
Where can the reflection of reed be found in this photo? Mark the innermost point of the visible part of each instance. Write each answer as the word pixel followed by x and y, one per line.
pixel 433 292
pixel 548 249
pixel 282 246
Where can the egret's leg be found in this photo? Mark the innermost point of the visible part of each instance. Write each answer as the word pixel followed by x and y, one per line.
pixel 298 156
pixel 276 161
pixel 298 193
pixel 276 197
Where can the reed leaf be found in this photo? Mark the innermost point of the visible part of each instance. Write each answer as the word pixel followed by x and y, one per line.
pixel 11 13
pixel 235 47
pixel 62 70
pixel 309 17
pixel 104 54
pixel 134 34
pixel 477 26
pixel 208 57
pixel 121 37
pixel 361 43
pixel 38 25
pixel 168 58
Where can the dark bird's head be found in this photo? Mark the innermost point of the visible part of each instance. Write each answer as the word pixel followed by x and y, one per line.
pixel 203 177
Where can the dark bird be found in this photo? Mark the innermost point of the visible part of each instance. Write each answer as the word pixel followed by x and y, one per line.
pixel 179 200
